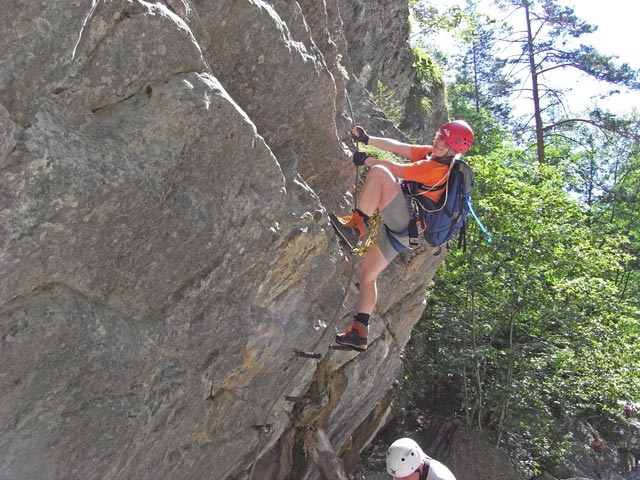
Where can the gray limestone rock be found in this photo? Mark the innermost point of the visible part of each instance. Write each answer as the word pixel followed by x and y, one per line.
pixel 165 174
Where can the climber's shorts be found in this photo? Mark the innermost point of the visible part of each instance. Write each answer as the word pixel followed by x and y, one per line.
pixel 393 236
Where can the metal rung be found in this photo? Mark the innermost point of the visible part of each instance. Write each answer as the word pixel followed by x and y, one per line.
pixel 262 428
pixel 300 353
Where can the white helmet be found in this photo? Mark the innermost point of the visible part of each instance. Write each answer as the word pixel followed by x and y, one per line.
pixel 404 457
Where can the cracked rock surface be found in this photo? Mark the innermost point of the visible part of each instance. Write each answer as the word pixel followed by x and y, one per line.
pixel 166 169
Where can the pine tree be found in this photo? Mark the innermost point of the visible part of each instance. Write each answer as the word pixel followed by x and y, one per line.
pixel 545 46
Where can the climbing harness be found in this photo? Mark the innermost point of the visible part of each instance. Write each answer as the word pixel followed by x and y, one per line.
pixel 440 221
pixel 412 191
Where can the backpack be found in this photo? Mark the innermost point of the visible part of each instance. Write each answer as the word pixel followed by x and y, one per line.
pixel 441 221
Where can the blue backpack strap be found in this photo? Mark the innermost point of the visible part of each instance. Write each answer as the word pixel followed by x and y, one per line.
pixel 416 190
pixel 482 227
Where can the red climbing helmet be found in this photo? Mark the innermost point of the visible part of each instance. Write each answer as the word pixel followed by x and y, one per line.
pixel 458 135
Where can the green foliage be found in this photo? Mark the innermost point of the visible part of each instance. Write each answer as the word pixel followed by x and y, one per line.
pixel 552 31
pixel 491 132
pixel 427 79
pixel 428 74
pixel 522 333
pixel 341 67
pixel 599 66
pixel 432 20
pixel 386 100
pixel 381 154
pixel 539 328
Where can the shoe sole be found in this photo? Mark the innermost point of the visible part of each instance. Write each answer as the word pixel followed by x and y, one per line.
pixel 335 222
pixel 358 348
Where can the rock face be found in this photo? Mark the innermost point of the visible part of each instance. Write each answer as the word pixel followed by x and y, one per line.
pixel 377 42
pixel 166 171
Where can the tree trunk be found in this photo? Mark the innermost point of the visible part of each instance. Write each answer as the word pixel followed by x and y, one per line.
pixel 476 90
pixel 509 384
pixel 534 86
pixel 319 447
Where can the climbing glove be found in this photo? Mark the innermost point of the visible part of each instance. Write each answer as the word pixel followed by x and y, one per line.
pixel 359 135
pixel 359 158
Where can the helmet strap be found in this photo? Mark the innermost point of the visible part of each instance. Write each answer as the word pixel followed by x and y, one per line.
pixel 445 159
pixel 425 471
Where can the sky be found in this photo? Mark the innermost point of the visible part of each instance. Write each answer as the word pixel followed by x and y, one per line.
pixel 617 22
pixel 616 35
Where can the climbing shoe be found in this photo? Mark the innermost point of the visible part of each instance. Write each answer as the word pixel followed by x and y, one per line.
pixel 351 228
pixel 355 336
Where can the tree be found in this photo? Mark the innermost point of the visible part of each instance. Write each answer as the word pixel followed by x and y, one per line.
pixel 480 91
pixel 540 327
pixel 545 47
pixel 520 334
pixel 480 68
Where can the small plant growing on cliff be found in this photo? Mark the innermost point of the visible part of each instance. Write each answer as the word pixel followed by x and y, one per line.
pixel 427 78
pixel 385 99
pixel 341 67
